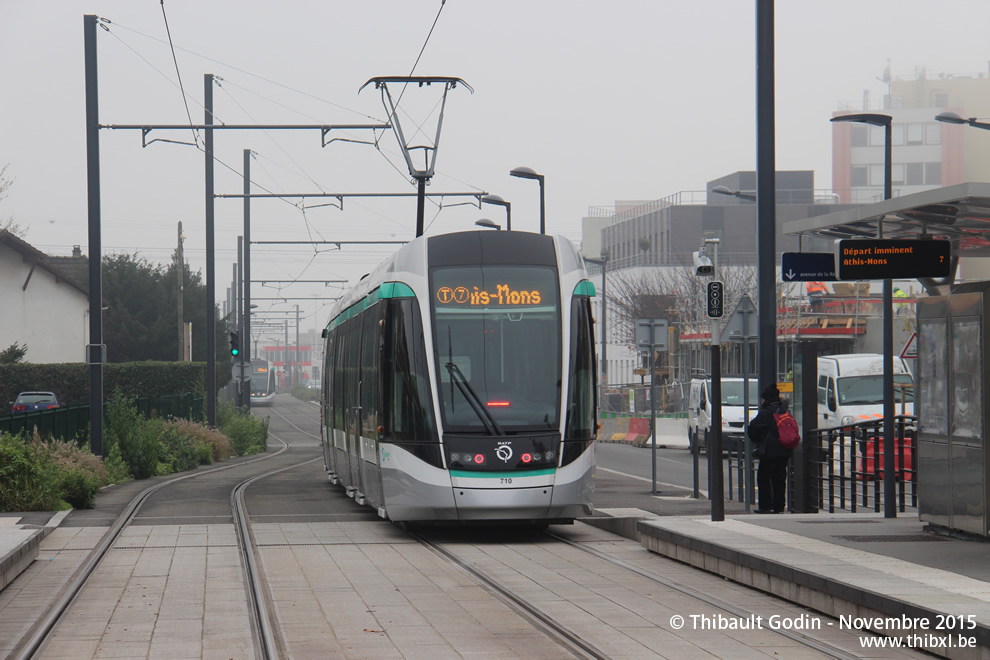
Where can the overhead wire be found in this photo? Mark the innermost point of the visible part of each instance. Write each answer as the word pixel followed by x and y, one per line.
pixel 301 206
pixel 178 74
pixel 254 75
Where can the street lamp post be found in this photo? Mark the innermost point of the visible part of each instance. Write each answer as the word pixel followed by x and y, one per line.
pixel 485 222
pixel 953 118
pixel 529 173
pixel 741 194
pixel 495 199
pixel 889 484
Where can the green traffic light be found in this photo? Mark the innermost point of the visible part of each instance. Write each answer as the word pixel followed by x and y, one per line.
pixel 234 351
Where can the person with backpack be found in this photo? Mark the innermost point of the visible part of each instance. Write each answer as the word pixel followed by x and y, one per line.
pixel 774 435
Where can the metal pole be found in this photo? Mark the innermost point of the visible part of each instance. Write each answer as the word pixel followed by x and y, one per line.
pixel 604 333
pixel 211 304
pixel 748 457
pixel 653 407
pixel 285 355
pixel 181 271
pixel 766 194
pixel 246 312
pixel 239 316
pixel 715 482
pixel 889 476
pixel 94 353
pixel 295 370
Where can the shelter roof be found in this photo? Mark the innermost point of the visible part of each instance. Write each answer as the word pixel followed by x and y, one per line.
pixel 959 213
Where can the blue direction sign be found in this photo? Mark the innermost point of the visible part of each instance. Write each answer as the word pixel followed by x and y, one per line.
pixel 807 266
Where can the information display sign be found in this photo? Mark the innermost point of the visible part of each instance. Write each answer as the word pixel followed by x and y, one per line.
pixel 883 259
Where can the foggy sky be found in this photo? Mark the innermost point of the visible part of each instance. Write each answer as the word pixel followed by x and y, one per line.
pixel 631 100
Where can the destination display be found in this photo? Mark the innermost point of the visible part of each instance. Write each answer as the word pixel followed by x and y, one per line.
pixel 892 259
pixel 474 296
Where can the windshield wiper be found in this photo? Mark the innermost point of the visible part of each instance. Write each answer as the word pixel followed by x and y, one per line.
pixel 473 400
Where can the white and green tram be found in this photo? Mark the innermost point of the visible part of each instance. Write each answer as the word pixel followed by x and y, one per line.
pixel 459 382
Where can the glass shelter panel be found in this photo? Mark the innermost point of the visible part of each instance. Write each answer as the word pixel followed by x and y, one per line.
pixel 967 391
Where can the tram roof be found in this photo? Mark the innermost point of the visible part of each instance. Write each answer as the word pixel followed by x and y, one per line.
pixel 960 213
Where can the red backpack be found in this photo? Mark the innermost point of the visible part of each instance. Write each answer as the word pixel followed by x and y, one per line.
pixel 787 430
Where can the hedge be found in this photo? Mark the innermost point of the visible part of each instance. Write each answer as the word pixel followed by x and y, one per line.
pixel 70 381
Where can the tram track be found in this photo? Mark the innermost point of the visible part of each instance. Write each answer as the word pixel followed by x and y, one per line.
pixel 709 599
pixel 585 646
pixel 544 578
pixel 267 643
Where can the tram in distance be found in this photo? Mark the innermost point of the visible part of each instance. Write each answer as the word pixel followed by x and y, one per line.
pixel 459 381
pixel 262 383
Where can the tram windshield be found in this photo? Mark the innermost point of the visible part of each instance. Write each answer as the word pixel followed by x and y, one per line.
pixel 496 337
pixel 262 380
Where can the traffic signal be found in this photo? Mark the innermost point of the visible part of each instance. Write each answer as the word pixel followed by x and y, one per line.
pixel 716 299
pixel 235 344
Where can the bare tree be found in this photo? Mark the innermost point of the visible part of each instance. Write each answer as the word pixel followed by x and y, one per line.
pixel 8 224
pixel 673 293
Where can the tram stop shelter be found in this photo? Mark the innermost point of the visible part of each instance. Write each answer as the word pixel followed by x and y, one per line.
pixel 953 368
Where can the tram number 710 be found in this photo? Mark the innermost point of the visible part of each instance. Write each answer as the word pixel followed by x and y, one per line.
pixel 505 480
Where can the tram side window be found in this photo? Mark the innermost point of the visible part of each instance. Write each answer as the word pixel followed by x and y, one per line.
pixel 581 412
pixel 409 385
pixel 369 371
pixel 327 393
pixel 340 343
pixel 352 376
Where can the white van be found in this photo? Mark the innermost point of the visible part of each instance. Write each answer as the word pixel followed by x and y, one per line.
pixel 850 389
pixel 700 412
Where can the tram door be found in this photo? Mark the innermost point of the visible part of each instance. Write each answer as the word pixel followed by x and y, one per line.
pixel 370 419
pixel 352 406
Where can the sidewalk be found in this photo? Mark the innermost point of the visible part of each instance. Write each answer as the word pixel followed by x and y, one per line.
pixel 876 572
pixel 20 540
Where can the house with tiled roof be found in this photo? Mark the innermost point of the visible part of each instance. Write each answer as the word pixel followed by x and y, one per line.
pixel 41 304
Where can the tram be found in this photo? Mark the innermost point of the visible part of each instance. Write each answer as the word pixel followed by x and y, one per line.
pixel 262 383
pixel 459 382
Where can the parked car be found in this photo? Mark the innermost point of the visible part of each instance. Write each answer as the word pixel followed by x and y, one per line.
pixel 33 401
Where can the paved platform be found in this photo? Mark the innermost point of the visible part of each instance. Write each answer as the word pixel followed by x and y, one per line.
pixel 893 576
pixel 20 540
pixel 875 572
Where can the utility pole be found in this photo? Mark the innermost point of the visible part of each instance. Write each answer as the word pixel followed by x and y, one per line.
pixel 238 316
pixel 180 270
pixel 211 312
pixel 95 350
pixel 296 370
pixel 285 356
pixel 246 309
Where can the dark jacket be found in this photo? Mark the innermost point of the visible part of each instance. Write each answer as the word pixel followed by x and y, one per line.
pixel 763 429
